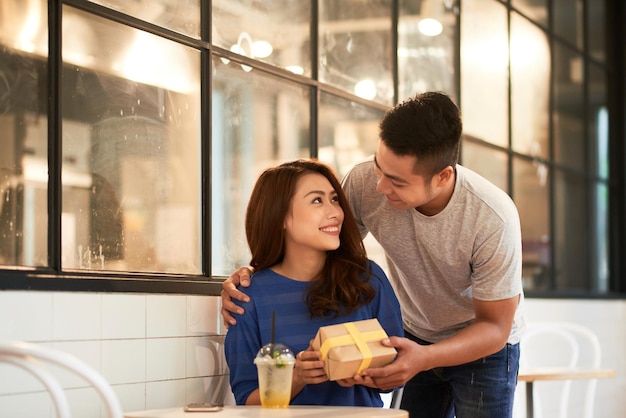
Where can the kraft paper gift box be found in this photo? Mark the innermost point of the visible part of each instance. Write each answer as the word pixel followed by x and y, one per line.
pixel 349 348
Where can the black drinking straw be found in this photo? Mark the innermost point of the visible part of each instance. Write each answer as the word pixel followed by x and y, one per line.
pixel 272 333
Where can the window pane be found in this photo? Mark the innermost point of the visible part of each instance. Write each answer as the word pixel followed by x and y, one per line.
pixel 425 59
pixel 600 241
pixel 276 32
pixel 355 51
pixel 348 132
pixel 182 16
pixel 489 163
pixel 596 25
pixel 571 258
pixel 131 150
pixel 530 88
pixel 484 71
pixel 567 17
pixel 598 122
pixel 531 195
pixel 23 133
pixel 569 113
pixel 257 122
pixel 536 10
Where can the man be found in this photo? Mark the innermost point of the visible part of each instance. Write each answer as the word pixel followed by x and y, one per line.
pixel 453 246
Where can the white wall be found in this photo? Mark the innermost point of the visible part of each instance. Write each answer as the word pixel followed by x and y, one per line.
pixel 157 351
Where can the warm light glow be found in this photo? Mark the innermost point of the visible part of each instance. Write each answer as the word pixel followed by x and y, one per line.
pixel 157 63
pixel 262 49
pixel 296 69
pixel 26 38
pixel 239 49
pixel 430 27
pixel 365 89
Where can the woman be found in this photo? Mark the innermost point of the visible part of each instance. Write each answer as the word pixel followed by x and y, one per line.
pixel 312 270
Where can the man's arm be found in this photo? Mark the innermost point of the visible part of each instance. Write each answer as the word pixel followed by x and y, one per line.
pixel 485 336
pixel 241 277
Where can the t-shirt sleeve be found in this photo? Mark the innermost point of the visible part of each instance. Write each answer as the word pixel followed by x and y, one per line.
pixel 498 262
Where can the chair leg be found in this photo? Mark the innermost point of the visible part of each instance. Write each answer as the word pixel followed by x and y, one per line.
pixel 396 398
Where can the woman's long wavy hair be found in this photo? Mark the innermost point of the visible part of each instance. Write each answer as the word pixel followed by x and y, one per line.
pixel 342 285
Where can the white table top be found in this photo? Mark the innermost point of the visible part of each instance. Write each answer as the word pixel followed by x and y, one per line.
pixel 562 373
pixel 259 412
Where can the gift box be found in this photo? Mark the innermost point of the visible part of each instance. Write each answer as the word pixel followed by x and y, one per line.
pixel 349 348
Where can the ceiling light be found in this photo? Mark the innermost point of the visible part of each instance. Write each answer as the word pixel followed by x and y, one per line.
pixel 430 27
pixel 365 89
pixel 261 49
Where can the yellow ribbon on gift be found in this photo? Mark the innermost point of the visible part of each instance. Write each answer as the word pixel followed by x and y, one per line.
pixel 354 336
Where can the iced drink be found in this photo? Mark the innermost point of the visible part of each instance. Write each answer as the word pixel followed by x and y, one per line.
pixel 275 370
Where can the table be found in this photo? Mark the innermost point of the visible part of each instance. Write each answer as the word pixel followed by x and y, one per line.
pixel 291 412
pixel 556 373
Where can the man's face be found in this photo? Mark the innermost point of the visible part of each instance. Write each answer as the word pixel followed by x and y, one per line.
pixel 398 181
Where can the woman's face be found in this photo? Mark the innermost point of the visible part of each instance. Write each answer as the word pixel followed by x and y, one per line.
pixel 315 219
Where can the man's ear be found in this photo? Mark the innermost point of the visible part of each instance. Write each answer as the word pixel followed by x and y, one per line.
pixel 445 176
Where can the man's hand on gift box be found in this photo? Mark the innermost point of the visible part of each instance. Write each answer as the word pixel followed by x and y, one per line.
pixel 410 361
pixel 357 380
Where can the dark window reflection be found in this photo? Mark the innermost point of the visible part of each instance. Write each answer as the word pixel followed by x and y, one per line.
pixel 531 192
pixel 569 110
pixel 571 268
pixel 23 180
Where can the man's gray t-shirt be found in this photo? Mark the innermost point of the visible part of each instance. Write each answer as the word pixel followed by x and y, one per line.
pixel 438 264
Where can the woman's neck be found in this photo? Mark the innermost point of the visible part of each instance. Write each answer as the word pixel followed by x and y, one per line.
pixel 301 268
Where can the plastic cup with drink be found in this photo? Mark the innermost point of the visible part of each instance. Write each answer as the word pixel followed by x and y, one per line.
pixel 274 364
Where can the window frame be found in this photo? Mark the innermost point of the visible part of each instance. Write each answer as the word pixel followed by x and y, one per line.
pixel 53 278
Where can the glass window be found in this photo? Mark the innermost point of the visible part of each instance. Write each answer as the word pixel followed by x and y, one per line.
pixel 484 71
pixel 355 50
pixel 571 265
pixel 569 113
pixel 273 31
pixel 131 147
pixel 532 198
pixel 23 133
pixel 537 10
pixel 258 121
pixel 182 16
pixel 426 37
pixel 598 137
pixel 598 122
pixel 568 22
pixel 596 24
pixel 348 132
pixel 488 162
pixel 530 88
pixel 600 240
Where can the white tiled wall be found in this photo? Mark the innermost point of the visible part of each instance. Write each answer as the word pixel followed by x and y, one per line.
pixel 157 351
pixel 162 351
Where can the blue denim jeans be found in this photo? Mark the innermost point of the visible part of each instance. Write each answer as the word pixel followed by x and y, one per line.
pixel 481 389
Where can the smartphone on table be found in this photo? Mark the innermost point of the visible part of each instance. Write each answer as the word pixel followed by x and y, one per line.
pixel 202 407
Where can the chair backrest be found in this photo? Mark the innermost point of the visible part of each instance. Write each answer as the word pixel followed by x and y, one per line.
pixel 34 358
pixel 561 344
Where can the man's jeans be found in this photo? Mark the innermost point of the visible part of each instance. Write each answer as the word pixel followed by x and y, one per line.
pixel 483 388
